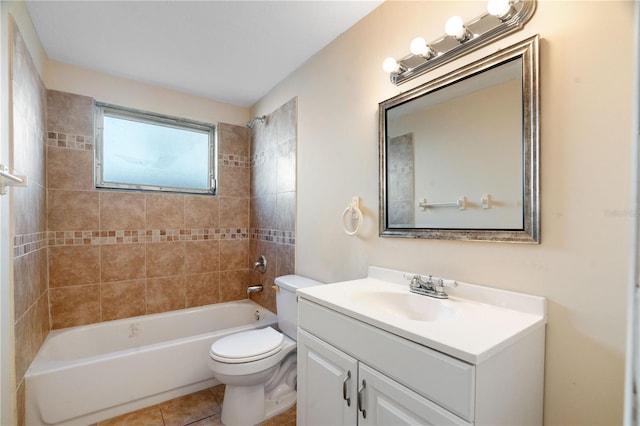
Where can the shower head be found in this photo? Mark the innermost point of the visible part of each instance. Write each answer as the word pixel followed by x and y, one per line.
pixel 252 123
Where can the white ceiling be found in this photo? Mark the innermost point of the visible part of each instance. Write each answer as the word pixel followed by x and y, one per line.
pixel 228 51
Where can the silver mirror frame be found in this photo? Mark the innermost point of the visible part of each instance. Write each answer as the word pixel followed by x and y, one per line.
pixel 530 233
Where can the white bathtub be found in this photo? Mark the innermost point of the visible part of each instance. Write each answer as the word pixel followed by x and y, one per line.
pixel 85 374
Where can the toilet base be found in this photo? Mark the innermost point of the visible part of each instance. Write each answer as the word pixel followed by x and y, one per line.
pixel 247 405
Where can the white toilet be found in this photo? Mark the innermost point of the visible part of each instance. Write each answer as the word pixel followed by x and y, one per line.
pixel 258 367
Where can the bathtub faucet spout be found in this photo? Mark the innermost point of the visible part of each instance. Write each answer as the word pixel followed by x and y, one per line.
pixel 254 288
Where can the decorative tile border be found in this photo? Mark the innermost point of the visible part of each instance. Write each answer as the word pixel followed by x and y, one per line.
pixel 28 243
pixel 258 159
pixel 272 235
pixel 74 238
pixel 233 160
pixel 69 141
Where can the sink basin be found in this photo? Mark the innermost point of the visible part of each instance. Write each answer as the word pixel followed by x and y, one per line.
pixel 473 324
pixel 408 306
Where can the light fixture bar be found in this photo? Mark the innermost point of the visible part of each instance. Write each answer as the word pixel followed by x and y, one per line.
pixel 478 32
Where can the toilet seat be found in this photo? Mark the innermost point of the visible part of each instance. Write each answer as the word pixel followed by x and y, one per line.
pixel 247 346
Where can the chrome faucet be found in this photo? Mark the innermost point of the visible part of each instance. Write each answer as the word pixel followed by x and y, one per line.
pixel 254 288
pixel 260 265
pixel 433 287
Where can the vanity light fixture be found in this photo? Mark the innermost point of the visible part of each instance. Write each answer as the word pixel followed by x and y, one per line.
pixel 501 18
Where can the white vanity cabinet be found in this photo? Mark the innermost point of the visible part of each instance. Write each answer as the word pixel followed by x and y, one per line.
pixel 479 363
pixel 335 389
pixel 326 383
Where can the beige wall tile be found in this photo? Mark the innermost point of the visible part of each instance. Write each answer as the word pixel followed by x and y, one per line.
pixel 202 289
pixel 286 118
pixel 30 214
pixel 165 211
pixel 264 174
pixel 42 305
pixel 29 110
pixel 122 299
pixel 233 285
pixel 200 212
pixel 264 136
pixel 69 113
pixel 267 297
pixel 285 218
pixel 24 283
pixel 37 317
pixel 234 254
pixel 234 212
pixel 165 259
pixel 73 265
pixel 121 262
pixel 233 140
pixel 69 169
pixel 78 305
pixel 286 166
pixel 73 210
pixel 233 181
pixel 285 264
pixel 122 211
pixel 165 294
pixel 202 256
pixel 23 345
pixel 263 211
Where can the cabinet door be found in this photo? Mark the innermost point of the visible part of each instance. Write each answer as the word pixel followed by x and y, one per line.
pixel 383 401
pixel 326 384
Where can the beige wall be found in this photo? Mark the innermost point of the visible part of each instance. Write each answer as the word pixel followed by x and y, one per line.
pixel 132 94
pixel 582 264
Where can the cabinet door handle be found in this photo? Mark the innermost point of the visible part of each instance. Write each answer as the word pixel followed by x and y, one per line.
pixel 344 388
pixel 360 396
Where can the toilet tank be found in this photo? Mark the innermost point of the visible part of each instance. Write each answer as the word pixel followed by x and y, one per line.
pixel 287 303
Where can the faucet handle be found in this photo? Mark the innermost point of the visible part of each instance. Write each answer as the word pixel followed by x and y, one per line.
pixel 440 283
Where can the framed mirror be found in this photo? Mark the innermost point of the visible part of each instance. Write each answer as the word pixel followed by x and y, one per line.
pixel 459 154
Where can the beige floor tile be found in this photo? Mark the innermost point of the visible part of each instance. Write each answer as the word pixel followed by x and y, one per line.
pixel 146 417
pixel 209 421
pixel 189 408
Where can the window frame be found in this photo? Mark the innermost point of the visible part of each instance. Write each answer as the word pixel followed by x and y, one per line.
pixel 102 109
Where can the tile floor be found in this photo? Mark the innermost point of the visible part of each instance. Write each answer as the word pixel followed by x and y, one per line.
pixel 196 409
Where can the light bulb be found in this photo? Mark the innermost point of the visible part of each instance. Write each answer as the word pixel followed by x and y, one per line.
pixel 499 8
pixel 455 27
pixel 390 65
pixel 419 46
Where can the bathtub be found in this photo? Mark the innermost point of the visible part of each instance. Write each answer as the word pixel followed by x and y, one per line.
pixel 85 374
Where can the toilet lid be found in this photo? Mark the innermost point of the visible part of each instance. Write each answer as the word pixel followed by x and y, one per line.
pixel 247 345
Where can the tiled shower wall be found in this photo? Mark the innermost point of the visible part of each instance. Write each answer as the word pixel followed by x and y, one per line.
pixel 273 197
pixel 117 254
pixel 29 224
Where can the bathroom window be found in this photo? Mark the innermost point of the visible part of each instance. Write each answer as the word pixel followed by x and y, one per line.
pixel 146 151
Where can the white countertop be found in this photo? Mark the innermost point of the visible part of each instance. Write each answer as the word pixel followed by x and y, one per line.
pixel 474 323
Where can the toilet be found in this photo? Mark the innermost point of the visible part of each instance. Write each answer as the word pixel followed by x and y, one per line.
pixel 258 367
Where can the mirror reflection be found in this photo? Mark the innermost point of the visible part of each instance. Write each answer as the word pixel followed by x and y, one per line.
pixel 457 154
